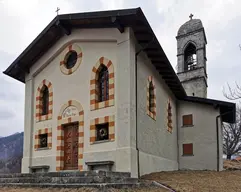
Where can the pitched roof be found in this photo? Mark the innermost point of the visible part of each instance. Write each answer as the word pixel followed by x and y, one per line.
pixel 63 24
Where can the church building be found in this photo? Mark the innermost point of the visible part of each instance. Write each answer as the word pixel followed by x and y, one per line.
pixel 101 94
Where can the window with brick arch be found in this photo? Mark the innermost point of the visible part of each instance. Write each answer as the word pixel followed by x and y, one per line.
pixel 151 97
pixel 169 117
pixel 103 82
pixel 45 100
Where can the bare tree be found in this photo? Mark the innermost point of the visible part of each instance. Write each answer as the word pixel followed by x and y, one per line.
pixel 232 132
pixel 232 136
pixel 232 93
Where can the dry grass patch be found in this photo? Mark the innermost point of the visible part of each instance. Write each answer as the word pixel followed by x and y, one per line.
pixel 232 164
pixel 203 181
pixel 11 189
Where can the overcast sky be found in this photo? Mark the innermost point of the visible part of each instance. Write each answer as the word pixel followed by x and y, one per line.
pixel 22 20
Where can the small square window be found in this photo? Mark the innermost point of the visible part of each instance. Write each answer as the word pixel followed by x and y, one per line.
pixel 187 120
pixel 102 132
pixel 43 140
pixel 187 149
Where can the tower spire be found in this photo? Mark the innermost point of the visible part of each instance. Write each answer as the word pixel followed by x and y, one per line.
pixel 191 54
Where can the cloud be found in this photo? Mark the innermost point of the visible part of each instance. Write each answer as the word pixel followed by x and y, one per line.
pixel 112 4
pixel 23 20
pixel 6 114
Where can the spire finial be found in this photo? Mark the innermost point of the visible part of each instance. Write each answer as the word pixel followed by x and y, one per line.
pixel 57 11
pixel 190 16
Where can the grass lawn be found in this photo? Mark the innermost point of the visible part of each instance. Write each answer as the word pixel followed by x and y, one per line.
pixel 203 181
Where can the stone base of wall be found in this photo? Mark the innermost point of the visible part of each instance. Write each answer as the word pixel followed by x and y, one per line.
pixel 25 165
pixel 125 160
pixel 39 161
pixel 97 179
pixel 150 163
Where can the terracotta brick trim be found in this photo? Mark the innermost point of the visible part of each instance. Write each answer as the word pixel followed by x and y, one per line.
pixel 169 116
pixel 94 90
pixel 152 112
pixel 47 131
pixel 60 134
pixel 78 50
pixel 39 94
pixel 102 120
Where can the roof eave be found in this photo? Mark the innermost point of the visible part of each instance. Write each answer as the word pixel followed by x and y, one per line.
pixel 227 109
pixel 133 18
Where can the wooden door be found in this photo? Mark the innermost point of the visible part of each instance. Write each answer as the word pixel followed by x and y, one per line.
pixel 71 146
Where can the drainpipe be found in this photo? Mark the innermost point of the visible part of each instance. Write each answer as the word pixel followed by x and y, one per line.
pixel 217 130
pixel 137 148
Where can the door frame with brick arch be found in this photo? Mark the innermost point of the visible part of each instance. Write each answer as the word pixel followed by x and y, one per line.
pixel 60 134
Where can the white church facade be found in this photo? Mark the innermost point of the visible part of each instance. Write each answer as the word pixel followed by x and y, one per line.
pixel 100 93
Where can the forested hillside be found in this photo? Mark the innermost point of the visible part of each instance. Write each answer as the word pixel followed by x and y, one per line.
pixel 11 152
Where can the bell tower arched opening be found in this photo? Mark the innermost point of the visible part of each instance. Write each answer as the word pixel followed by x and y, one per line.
pixel 190 57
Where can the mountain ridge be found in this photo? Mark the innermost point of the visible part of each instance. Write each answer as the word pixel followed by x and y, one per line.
pixel 11 153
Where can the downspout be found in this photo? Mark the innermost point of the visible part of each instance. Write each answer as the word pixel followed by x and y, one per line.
pixel 217 130
pixel 137 148
pixel 177 125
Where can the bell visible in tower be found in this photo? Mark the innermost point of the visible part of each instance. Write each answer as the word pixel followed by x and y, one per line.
pixel 190 58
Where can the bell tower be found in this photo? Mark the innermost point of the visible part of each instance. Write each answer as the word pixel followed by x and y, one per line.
pixel 191 57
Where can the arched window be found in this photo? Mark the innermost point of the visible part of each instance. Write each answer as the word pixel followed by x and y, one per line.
pixel 190 57
pixel 45 100
pixel 169 116
pixel 151 97
pixel 103 83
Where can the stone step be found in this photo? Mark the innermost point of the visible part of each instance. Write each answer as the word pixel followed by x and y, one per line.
pixel 68 174
pixel 69 180
pixel 101 186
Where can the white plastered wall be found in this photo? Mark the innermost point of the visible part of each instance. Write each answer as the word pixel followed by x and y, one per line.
pixel 157 146
pixel 94 43
pixel 202 134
